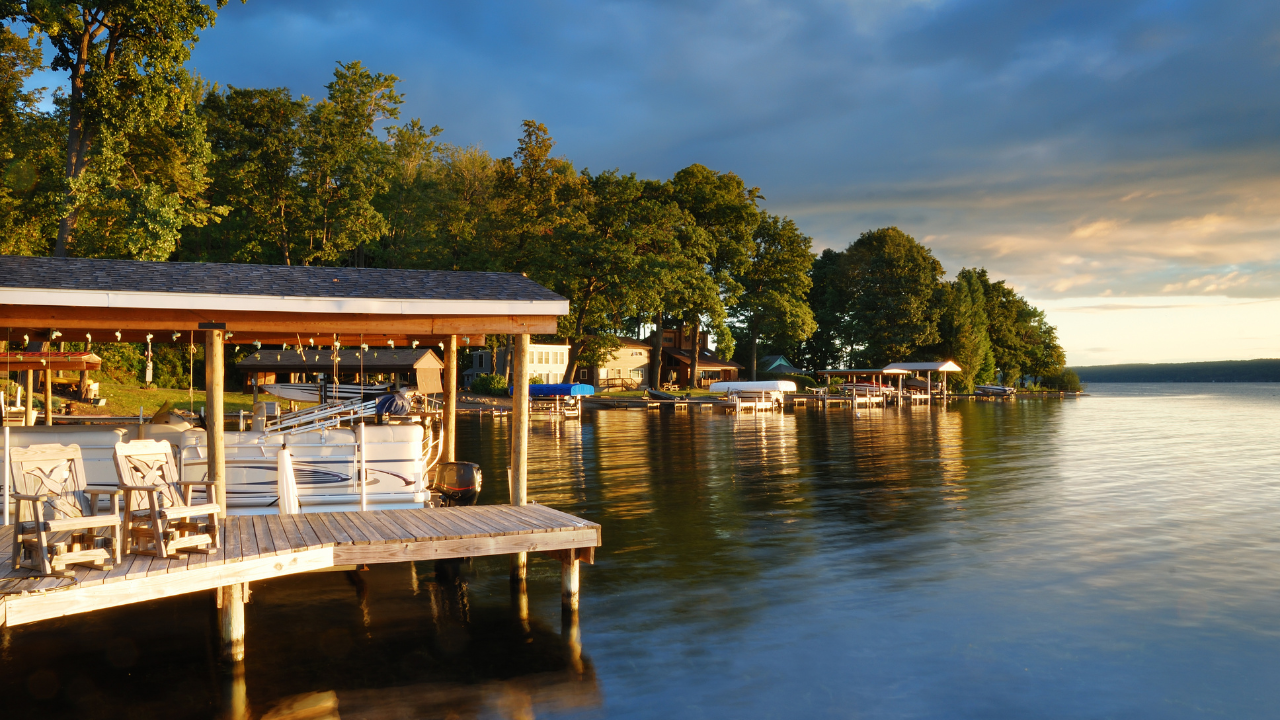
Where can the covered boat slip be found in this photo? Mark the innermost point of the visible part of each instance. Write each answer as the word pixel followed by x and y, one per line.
pixel 77 299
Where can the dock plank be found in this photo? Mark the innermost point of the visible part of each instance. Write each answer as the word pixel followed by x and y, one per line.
pixel 461 529
pixel 426 517
pixel 248 538
pixel 340 534
pixel 266 546
pixel 408 529
pixel 309 537
pixel 324 536
pixel 357 519
pixel 491 525
pixel 426 532
pixel 390 531
pixel 523 520
pixel 357 534
pixel 279 534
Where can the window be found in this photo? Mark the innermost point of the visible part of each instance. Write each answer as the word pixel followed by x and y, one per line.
pixel 584 374
pixel 637 374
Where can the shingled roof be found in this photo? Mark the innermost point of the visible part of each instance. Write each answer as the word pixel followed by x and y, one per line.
pixel 79 274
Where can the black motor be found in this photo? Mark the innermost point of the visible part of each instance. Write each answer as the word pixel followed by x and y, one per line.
pixel 457 483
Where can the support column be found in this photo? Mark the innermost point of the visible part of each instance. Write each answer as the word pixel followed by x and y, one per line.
pixel 569 581
pixel 928 386
pixel 213 412
pixel 29 417
pixel 48 397
pixel 231 620
pixel 520 441
pixel 449 417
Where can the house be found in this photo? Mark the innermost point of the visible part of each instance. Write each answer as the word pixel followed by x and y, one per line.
pixel 417 366
pixel 628 369
pixel 777 364
pixel 677 360
pixel 547 363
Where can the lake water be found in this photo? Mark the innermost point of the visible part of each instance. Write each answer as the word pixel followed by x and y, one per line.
pixel 1113 556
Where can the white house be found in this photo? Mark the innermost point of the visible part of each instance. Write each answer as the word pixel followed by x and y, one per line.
pixel 547 363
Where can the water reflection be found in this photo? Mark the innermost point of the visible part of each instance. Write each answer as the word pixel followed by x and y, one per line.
pixel 1112 557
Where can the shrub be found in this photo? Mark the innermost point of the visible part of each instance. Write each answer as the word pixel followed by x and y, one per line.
pixel 1065 380
pixel 801 381
pixel 490 385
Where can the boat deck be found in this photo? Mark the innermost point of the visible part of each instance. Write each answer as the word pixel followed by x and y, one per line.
pixel 256 547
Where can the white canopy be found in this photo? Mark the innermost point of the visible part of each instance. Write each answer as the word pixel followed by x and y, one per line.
pixel 758 385
pixel 944 366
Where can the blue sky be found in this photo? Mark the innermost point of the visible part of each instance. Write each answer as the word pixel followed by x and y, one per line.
pixel 1117 161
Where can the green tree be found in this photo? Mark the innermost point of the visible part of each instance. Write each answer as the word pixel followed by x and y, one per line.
pixel 829 298
pixel 725 215
pixel 31 148
pixel 344 166
pixel 892 310
pixel 775 287
pixel 963 330
pixel 255 137
pixel 128 89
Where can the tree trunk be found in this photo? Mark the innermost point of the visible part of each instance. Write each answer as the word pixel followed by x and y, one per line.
pixel 753 357
pixel 694 333
pixel 655 356
pixel 571 367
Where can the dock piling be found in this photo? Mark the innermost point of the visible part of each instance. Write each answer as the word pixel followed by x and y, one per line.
pixel 231 621
pixel 569 581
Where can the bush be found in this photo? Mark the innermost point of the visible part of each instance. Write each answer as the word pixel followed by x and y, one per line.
pixel 490 385
pixel 1065 380
pixel 802 381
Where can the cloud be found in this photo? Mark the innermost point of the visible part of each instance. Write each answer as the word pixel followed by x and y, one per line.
pixel 1077 149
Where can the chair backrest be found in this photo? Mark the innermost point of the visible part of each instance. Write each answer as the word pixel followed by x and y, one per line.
pixel 53 470
pixel 149 462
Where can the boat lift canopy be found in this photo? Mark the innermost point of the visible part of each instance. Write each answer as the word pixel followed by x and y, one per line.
pixel 559 390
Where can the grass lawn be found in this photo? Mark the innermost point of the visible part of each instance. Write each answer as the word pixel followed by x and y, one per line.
pixel 125 400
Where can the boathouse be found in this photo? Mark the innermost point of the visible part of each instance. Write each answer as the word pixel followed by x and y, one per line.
pixel 226 304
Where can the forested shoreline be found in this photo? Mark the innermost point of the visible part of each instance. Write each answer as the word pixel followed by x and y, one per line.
pixel 141 159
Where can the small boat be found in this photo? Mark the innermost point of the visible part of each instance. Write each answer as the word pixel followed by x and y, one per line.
pixel 310 392
pixel 996 390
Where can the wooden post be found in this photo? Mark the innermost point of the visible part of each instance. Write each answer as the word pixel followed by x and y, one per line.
pixel 569 581
pixel 29 417
pixel 231 621
pixel 213 416
pixel 571 633
pixel 48 397
pixel 928 386
pixel 449 417
pixel 520 441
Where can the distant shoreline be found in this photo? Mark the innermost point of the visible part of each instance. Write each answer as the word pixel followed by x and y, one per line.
pixel 1250 371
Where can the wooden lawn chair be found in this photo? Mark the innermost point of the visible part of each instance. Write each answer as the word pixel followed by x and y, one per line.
pixel 158 519
pixel 58 521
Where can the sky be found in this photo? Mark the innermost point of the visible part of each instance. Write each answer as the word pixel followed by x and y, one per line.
pixel 1117 162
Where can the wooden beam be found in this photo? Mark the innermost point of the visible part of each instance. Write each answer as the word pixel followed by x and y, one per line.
pixel 48 398
pixel 29 417
pixel 520 442
pixel 213 417
pixel 449 416
pixel 35 607
pixel 108 320
pixel 462 547
pixel 231 621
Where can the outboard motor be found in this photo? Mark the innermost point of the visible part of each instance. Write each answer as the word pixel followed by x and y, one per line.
pixel 457 483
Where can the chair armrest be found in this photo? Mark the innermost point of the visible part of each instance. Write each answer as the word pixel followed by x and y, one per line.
pixel 80 523
pixel 141 488
pixel 96 493
pixel 32 498
pixel 195 482
pixel 188 511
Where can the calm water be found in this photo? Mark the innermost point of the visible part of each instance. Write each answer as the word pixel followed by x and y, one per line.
pixel 1116 556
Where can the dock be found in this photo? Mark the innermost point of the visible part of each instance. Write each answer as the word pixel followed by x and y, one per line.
pixel 257 547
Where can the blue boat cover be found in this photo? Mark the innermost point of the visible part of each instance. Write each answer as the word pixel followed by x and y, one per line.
pixel 559 389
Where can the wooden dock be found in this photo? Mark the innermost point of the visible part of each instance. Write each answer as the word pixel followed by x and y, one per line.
pixel 257 547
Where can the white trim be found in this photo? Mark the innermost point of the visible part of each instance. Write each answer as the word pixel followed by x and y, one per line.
pixel 277 303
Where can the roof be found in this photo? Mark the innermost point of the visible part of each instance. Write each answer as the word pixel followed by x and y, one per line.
pixel 778 363
pixel 49 361
pixel 376 359
pixel 634 343
pixel 85 282
pixel 855 371
pixel 942 366
pixel 706 360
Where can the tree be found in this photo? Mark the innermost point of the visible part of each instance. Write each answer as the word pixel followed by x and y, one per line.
pixel 31 148
pixel 724 210
pixel 892 312
pixel 963 328
pixel 775 285
pixel 829 299
pixel 255 139
pixel 125 62
pixel 344 166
